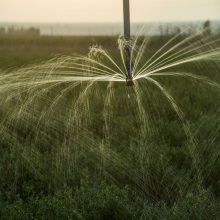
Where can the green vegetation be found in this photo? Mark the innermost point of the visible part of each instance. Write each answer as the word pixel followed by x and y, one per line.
pixel 89 151
pixel 110 202
pixel 18 51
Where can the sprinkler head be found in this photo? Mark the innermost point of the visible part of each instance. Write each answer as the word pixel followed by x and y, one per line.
pixel 129 82
pixel 129 79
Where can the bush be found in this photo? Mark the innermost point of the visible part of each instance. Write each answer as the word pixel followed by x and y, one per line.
pixel 109 202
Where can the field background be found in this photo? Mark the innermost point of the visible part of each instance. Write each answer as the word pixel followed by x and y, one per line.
pixel 166 177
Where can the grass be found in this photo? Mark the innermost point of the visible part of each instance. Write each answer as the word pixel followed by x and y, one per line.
pixel 90 158
pixel 110 202
pixel 18 51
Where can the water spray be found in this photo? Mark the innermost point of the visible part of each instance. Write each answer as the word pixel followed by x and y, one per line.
pixel 127 48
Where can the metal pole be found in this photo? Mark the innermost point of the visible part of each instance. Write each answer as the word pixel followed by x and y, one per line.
pixel 127 48
pixel 126 19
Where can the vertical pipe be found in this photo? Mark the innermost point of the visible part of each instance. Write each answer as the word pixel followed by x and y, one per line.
pixel 126 19
pixel 127 48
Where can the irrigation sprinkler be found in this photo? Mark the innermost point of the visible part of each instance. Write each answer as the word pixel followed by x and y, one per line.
pixel 127 48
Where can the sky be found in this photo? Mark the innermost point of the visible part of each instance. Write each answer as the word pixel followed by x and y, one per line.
pixel 70 11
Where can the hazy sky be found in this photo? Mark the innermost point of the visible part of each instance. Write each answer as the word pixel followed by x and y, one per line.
pixel 107 10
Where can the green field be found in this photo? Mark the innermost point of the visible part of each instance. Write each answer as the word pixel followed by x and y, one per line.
pixel 76 148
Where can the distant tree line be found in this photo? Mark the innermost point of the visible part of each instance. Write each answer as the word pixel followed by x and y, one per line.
pixel 20 31
pixel 205 29
pixel 163 30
